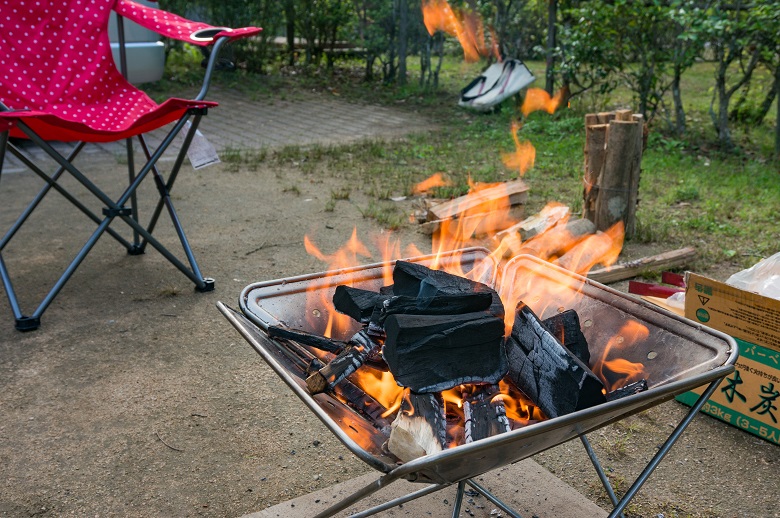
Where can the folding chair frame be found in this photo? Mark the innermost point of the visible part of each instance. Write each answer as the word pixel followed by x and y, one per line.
pixel 113 209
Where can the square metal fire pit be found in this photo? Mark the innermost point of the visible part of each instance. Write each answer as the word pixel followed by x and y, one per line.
pixel 677 355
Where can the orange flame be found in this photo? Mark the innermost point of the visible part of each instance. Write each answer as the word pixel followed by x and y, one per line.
pixel 381 386
pixel 600 248
pixel 618 372
pixel 538 99
pixel 524 156
pixel 433 181
pixel 320 315
pixel 438 15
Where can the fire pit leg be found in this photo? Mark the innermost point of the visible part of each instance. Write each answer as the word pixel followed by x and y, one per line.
pixel 372 488
pixel 600 471
pixel 459 498
pixel 639 482
pixel 490 496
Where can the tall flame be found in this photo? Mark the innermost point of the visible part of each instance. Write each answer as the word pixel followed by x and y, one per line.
pixel 525 153
pixel 467 27
pixel 537 99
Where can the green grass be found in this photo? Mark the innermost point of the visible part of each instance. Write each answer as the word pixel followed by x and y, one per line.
pixel 691 193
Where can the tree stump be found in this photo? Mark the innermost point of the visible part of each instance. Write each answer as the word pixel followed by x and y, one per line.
pixel 613 156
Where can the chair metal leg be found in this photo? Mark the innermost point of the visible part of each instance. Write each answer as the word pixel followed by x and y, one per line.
pixel 113 209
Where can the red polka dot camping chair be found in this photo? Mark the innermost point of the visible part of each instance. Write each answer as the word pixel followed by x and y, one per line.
pixel 59 82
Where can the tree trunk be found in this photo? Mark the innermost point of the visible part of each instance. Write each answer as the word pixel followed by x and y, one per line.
pixel 289 14
pixel 440 53
pixel 777 120
pixel 552 15
pixel 679 109
pixel 403 31
pixel 721 117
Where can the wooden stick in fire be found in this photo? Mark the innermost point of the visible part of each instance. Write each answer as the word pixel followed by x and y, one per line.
pixel 484 414
pixel 420 427
pixel 344 364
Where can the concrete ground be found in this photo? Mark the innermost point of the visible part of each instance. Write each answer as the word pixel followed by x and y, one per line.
pixel 126 357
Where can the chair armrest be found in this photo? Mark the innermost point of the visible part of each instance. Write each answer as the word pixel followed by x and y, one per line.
pixel 174 26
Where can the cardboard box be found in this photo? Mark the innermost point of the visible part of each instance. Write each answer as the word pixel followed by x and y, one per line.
pixel 739 313
pixel 749 398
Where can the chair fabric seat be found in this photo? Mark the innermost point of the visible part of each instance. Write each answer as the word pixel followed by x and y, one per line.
pixel 57 72
pixel 59 82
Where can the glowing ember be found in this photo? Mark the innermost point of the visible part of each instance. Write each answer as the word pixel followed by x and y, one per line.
pixel 381 386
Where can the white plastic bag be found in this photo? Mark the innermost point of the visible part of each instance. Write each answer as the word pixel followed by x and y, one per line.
pixel 762 278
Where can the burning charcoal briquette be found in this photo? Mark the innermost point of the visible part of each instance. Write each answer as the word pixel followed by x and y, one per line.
pixel 440 305
pixel 431 353
pixel 565 326
pixel 416 280
pixel 552 377
pixel 356 303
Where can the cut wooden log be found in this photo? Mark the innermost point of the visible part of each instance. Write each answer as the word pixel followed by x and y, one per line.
pixel 347 362
pixel 636 173
pixel 417 280
pixel 556 380
pixel 548 217
pixel 565 326
pixel 615 182
pixel 302 337
pixel 599 118
pixel 595 152
pixel 598 248
pixel 558 239
pixel 420 428
pixel 501 195
pixel 484 414
pixel 356 303
pixel 623 271
pixel 432 353
pixel 474 225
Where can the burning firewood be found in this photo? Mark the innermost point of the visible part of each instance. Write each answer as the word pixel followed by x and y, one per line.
pixel 420 428
pixel 556 380
pixel 431 353
pixel 501 195
pixel 320 342
pixel 558 239
pixel 347 362
pixel 484 414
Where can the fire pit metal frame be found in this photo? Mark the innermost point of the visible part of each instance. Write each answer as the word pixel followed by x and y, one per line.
pixel 460 464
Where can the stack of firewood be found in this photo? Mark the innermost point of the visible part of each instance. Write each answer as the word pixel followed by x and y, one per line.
pixel 614 142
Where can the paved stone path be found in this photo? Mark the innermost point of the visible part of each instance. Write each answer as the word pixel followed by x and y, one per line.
pixel 241 123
